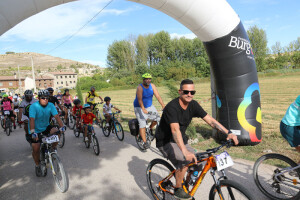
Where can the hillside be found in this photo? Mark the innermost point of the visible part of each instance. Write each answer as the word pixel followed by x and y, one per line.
pixel 42 63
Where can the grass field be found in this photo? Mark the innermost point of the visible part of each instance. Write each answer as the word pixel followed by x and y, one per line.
pixel 277 93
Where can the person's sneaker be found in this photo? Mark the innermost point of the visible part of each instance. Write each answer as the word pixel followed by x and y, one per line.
pixel 38 171
pixel 86 139
pixel 179 193
pixel 107 124
pixel 146 145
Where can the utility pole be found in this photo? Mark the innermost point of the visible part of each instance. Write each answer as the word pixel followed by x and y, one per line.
pixel 20 83
pixel 33 76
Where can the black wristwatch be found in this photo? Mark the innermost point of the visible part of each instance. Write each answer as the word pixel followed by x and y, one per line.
pixel 229 132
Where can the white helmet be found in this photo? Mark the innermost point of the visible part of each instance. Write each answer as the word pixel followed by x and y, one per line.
pixel 15 97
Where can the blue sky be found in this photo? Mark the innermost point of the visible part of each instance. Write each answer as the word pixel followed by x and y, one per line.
pixel 123 19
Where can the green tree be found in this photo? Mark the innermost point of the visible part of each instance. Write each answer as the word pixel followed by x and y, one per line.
pixel 78 91
pixel 258 40
pixel 159 47
pixel 141 46
pixel 277 49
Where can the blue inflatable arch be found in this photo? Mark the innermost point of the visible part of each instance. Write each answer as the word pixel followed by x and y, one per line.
pixel 235 83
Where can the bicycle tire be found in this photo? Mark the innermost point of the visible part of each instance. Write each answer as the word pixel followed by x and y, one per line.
pixel 76 132
pixel 87 143
pixel 96 146
pixel 7 127
pixel 119 131
pixel 61 142
pixel 105 129
pixel 71 123
pixel 274 188
pixel 157 170
pixel 234 191
pixel 60 177
pixel 2 123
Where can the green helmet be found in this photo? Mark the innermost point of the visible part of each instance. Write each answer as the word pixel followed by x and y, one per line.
pixel 146 75
pixel 5 95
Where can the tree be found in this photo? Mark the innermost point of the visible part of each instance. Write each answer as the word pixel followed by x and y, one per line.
pixel 141 46
pixel 258 40
pixel 277 49
pixel 159 47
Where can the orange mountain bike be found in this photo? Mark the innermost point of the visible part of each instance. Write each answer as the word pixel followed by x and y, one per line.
pixel 161 177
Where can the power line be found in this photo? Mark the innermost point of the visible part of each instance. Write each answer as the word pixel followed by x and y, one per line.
pixel 71 36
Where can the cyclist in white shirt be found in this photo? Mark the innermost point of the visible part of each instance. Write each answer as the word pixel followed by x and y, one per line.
pixel 107 112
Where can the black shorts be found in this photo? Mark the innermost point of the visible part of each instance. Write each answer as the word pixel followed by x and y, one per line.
pixel 11 114
pixel 68 105
pixel 92 104
pixel 45 133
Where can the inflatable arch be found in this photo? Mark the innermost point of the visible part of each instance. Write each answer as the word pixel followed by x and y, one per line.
pixel 236 89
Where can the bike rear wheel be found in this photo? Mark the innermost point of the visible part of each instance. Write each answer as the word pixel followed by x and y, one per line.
pixel 96 146
pixel 229 190
pixel 2 123
pixel 71 123
pixel 284 186
pixel 119 131
pixel 105 129
pixel 76 132
pixel 157 170
pixel 87 143
pixel 61 142
pixel 59 174
pixel 7 127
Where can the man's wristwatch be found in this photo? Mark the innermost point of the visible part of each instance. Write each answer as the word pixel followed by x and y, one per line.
pixel 229 132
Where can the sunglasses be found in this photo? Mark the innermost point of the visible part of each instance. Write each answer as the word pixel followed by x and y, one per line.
pixel 187 92
pixel 44 98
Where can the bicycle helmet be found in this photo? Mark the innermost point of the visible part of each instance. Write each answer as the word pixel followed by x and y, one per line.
pixel 77 101
pixel 50 89
pixel 93 88
pixel 15 97
pixel 86 106
pixel 107 98
pixel 67 90
pixel 44 93
pixel 5 95
pixel 28 93
pixel 146 75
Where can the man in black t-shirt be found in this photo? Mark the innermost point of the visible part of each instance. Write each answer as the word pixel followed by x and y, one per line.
pixel 171 139
pixel 53 99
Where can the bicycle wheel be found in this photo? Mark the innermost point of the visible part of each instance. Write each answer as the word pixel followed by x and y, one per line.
pixel 150 134
pixel 61 142
pixel 106 130
pixel 2 123
pixel 98 115
pixel 71 123
pixel 96 146
pixel 229 190
pixel 76 132
pixel 266 176
pixel 157 170
pixel 119 131
pixel 87 143
pixel 59 174
pixel 7 127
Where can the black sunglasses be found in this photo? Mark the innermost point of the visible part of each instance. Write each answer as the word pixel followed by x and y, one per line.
pixel 187 92
pixel 47 98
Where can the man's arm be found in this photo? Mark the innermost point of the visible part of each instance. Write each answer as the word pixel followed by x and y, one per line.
pixel 139 93
pixel 156 94
pixel 20 114
pixel 177 136
pixel 215 124
pixel 60 123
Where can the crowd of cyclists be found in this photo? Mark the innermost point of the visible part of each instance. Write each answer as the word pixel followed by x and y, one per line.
pixel 35 112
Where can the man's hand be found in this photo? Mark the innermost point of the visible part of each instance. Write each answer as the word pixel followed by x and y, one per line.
pixel 145 111
pixel 62 129
pixel 189 156
pixel 233 137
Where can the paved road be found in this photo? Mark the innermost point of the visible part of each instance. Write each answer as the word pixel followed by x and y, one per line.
pixel 117 173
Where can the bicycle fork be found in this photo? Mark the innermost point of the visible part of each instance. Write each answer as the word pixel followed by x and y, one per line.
pixel 218 186
pixel 51 163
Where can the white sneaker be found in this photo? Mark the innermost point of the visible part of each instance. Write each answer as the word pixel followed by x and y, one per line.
pixel 86 139
pixel 107 125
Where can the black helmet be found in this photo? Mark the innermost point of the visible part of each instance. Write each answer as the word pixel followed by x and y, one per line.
pixel 50 89
pixel 44 93
pixel 93 88
pixel 28 93
pixel 67 90
pixel 107 98
pixel 77 101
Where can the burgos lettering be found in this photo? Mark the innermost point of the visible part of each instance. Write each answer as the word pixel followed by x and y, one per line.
pixel 240 43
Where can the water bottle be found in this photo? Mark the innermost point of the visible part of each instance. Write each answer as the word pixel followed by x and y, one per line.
pixel 194 176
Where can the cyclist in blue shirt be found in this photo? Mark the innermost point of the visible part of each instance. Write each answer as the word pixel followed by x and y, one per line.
pixel 290 125
pixel 39 114
pixel 143 104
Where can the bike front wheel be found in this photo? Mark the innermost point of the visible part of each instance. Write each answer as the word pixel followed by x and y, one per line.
pixel 87 143
pixel 273 177
pixel 59 173
pixel 105 129
pixel 157 170
pixel 229 189
pixel 7 127
pixel 61 142
pixel 119 131
pixel 76 132
pixel 71 123
pixel 96 146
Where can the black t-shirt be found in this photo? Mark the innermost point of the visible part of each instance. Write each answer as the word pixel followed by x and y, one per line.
pixel 174 113
pixel 53 99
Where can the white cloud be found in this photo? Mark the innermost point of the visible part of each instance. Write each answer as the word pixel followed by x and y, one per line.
pixel 187 35
pixel 63 21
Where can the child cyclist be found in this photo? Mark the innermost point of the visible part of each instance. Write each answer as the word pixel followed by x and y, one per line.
pixel 87 120
pixel 107 112
pixel 77 111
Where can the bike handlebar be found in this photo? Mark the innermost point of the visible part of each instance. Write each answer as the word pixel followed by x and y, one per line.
pixel 208 152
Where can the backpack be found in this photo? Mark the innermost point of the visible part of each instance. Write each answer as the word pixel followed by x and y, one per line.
pixel 134 127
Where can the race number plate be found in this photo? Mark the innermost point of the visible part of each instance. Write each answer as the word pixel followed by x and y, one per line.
pixel 223 161
pixel 16 110
pixel 52 139
pixel 6 112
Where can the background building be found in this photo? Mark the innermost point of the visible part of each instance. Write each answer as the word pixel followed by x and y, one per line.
pixel 9 83
pixel 64 80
